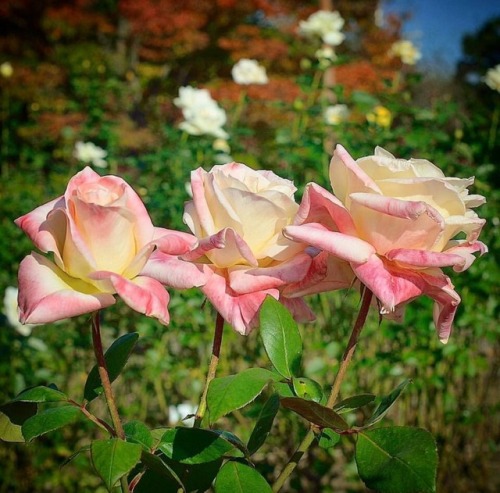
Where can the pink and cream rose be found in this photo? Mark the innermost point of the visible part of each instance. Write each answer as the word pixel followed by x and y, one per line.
pixel 100 237
pixel 238 215
pixel 396 223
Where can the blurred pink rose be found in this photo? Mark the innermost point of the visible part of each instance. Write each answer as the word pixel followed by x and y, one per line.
pixel 238 215
pixel 101 237
pixel 395 223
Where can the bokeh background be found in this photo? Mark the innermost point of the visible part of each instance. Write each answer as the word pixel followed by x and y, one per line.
pixel 108 72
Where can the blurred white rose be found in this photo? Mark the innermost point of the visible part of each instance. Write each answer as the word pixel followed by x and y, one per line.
pixel 248 71
pixel 89 153
pixel 11 311
pixel 202 115
pixel 336 114
pixel 492 78
pixel 326 25
pixel 407 51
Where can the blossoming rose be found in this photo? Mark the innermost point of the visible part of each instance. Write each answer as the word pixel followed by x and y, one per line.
pixel 238 215
pixel 395 222
pixel 101 237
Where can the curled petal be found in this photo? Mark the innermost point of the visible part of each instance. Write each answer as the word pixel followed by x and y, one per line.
pixel 47 294
pixel 173 272
pixel 326 273
pixel 347 177
pixel 423 258
pixel 173 242
pixel 248 280
pixel 465 250
pixel 31 224
pixel 299 309
pixel 142 294
pixel 320 206
pixel 239 310
pixel 345 247
pixel 232 247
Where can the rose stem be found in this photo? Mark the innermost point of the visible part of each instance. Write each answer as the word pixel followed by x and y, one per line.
pixel 346 359
pixel 106 384
pixel 219 326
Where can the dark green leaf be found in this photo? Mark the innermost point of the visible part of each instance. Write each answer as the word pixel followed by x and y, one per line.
pixel 234 440
pixel 49 420
pixel 40 394
pixel 138 432
pixel 315 413
pixel 385 404
pixel 397 460
pixel 307 388
pixel 281 337
pixel 264 423
pixel 12 416
pixel 328 438
pixel 116 357
pixel 354 402
pixel 227 394
pixel 113 459
pixel 193 445
pixel 235 477
pixel 85 448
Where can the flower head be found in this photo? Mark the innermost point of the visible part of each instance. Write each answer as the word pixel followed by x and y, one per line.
pixel 380 116
pixel 248 71
pixel 238 214
pixel 407 51
pixel 6 70
pixel 395 223
pixel 202 114
pixel 100 237
pixel 325 25
pixel 492 78
pixel 89 153
pixel 336 114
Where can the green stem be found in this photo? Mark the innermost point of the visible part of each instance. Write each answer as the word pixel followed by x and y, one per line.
pixel 106 384
pixel 212 368
pixel 344 364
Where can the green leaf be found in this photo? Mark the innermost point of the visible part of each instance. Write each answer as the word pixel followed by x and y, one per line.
pixel 40 394
pixel 385 404
pixel 116 357
pixel 354 402
pixel 193 445
pixel 49 420
pixel 227 394
pixel 281 337
pixel 264 423
pixel 315 413
pixel 397 460
pixel 284 389
pixel 328 438
pixel 114 458
pixel 307 388
pixel 235 477
pixel 138 432
pixel 159 466
pixel 12 416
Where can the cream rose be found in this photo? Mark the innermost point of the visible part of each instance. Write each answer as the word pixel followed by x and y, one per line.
pixel 397 223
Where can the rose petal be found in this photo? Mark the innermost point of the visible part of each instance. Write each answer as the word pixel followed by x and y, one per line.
pixel 142 294
pixel 47 294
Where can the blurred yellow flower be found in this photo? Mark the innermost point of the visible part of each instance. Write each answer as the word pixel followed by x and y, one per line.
pixel 380 116
pixel 6 69
pixel 492 78
pixel 407 51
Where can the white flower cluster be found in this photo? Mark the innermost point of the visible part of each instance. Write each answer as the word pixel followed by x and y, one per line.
pixel 407 51
pixel 248 71
pixel 11 311
pixel 202 114
pixel 336 114
pixel 89 153
pixel 326 25
pixel 492 78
